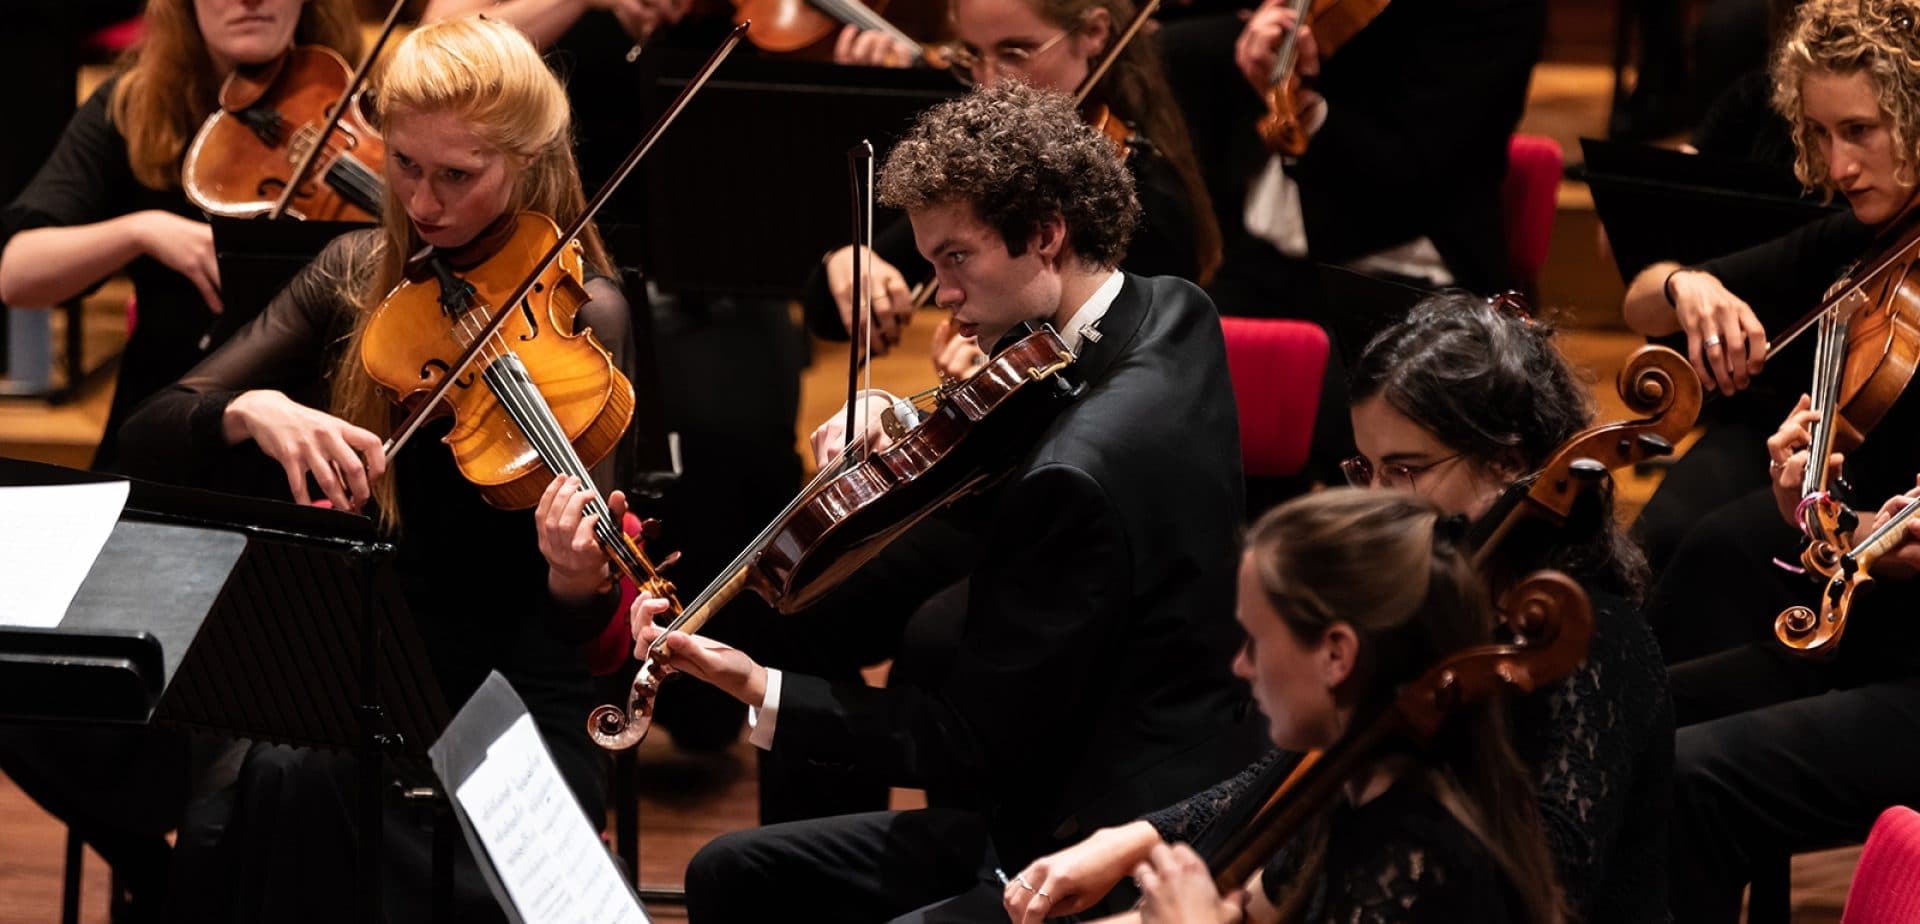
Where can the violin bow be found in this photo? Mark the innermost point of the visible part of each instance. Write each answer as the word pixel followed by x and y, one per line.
pixel 1119 45
pixel 860 345
pixel 354 83
pixel 484 337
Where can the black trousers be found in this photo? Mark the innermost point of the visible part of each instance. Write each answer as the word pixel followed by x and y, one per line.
pixel 1719 587
pixel 928 865
pixel 1753 787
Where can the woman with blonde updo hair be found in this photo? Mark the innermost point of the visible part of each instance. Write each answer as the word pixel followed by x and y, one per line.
pixel 477 130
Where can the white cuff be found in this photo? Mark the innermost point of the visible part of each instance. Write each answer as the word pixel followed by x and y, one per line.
pixel 760 722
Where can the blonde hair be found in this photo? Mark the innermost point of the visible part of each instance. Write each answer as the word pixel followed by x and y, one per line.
pixel 1320 560
pixel 1872 37
pixel 169 85
pixel 488 74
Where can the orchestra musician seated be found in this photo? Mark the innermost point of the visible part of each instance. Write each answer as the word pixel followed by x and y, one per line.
pixel 1454 403
pixel 1091 682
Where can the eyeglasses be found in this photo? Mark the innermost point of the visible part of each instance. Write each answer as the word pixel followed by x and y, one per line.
pixel 1361 473
pixel 963 63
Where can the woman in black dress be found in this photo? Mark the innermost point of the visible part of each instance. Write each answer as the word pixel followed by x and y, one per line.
pixel 477 130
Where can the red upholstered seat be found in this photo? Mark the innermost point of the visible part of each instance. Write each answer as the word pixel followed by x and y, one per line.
pixel 118 37
pixel 1276 367
pixel 1528 199
pixel 1886 884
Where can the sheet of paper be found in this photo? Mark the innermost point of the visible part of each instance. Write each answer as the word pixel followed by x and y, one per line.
pixel 49 537
pixel 548 857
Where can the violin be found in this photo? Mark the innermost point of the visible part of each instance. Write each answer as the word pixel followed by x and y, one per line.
pixel 789 26
pixel 243 161
pixel 1809 633
pixel 485 334
pixel 1865 351
pixel 1333 22
pixel 1552 622
pixel 853 508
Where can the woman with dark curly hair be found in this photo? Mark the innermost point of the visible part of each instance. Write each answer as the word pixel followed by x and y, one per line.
pixel 1091 680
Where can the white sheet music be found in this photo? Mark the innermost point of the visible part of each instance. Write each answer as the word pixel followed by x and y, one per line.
pixel 49 538
pixel 546 854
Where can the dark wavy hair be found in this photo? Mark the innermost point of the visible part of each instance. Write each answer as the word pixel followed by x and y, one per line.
pixel 1019 156
pixel 1492 385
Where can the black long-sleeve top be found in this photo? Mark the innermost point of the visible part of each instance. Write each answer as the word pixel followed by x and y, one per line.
pixel 87 180
pixel 473 576
pixel 1600 745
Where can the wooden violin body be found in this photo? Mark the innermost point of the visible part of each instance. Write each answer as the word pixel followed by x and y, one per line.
pixel 797 26
pixel 241 160
pixel 424 324
pixel 851 511
pixel 1333 22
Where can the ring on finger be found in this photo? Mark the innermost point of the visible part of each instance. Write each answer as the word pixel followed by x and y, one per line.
pixel 1023 883
pixel 1711 341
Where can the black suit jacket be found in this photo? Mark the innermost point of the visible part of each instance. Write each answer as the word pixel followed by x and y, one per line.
pixel 1093 677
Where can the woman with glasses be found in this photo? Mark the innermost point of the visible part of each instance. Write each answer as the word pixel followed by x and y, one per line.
pixel 1054 45
pixel 1454 404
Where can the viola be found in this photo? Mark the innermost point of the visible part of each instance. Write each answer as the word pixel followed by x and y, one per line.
pixel 1333 22
pixel 272 119
pixel 852 509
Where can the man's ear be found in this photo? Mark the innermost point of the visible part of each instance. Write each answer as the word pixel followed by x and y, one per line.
pixel 1050 239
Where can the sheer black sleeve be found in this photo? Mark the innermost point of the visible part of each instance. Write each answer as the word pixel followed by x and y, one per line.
pixel 1184 821
pixel 290 347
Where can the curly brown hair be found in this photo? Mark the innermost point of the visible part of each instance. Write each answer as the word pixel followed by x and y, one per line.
pixel 1019 156
pixel 1874 37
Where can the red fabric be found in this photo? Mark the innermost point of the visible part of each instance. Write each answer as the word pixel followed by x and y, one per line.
pixel 133 314
pixel 1529 199
pixel 610 651
pixel 1276 367
pixel 1886 884
pixel 118 37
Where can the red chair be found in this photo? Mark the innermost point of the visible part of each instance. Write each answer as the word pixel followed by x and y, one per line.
pixel 1886 884
pixel 118 37
pixel 1276 366
pixel 1528 199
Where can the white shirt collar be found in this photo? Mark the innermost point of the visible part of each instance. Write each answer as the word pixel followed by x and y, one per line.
pixel 1080 326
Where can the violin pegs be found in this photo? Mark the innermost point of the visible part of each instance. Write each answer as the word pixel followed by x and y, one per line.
pixel 667 562
pixel 650 528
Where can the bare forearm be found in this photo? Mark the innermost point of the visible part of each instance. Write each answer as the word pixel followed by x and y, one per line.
pixel 544 21
pixel 1645 307
pixel 46 266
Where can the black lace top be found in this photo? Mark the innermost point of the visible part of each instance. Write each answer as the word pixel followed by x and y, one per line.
pixel 1600 744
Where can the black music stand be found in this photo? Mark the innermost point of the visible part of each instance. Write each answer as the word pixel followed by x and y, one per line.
pixel 1659 204
pixel 748 189
pixel 252 618
pixel 257 259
